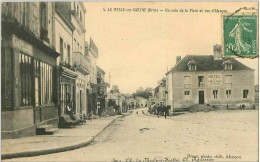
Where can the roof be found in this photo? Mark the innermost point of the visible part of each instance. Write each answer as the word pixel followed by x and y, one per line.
pixel 156 90
pixel 112 96
pixel 100 70
pixel 207 63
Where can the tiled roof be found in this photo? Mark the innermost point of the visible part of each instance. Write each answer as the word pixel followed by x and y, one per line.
pixel 207 63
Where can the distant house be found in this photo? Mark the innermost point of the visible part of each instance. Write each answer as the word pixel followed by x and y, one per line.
pixel 210 79
pixel 141 102
pixel 117 99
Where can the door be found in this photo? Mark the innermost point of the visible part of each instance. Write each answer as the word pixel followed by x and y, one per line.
pixel 201 97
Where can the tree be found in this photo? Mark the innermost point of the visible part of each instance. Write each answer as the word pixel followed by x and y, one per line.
pixel 140 89
pixel 115 88
pixel 149 90
pixel 140 92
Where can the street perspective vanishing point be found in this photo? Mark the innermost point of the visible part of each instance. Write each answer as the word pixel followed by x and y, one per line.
pixel 129 81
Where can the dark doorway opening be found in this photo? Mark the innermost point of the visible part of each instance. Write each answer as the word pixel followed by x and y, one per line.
pixel 201 97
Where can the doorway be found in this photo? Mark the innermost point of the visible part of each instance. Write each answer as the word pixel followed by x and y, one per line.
pixel 201 97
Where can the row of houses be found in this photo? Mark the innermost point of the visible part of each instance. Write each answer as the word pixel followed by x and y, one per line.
pixel 210 80
pixel 124 102
pixel 47 63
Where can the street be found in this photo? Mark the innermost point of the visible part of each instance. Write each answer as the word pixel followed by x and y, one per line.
pixel 217 136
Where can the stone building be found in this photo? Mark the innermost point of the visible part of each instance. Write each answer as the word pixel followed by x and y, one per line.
pixel 92 53
pixel 28 61
pixel 210 79
pixel 64 43
pixel 101 90
pixel 160 92
pixel 156 94
pixel 73 14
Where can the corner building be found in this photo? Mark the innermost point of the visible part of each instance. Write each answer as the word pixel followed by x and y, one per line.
pixel 210 79
pixel 28 63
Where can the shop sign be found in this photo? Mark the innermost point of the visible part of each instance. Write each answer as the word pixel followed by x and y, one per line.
pixel 214 79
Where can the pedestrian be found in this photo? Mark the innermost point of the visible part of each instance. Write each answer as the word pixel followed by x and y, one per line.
pixel 69 110
pixel 158 109
pixel 165 112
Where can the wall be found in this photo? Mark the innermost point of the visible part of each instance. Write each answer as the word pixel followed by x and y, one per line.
pixel 93 68
pixel 243 79
pixel 18 120
pixel 169 97
pixel 63 31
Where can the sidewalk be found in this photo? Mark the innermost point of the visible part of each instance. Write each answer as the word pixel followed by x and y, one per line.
pixel 62 140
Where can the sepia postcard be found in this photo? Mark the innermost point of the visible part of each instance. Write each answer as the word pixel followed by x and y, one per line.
pixel 129 81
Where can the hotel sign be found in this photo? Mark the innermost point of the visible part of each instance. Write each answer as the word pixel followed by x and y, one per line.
pixel 214 79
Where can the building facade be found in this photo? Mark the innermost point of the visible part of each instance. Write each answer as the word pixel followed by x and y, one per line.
pixel 211 80
pixel 73 14
pixel 92 92
pixel 101 91
pixel 67 72
pixel 28 58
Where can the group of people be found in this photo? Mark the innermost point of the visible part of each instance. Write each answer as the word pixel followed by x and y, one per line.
pixel 161 109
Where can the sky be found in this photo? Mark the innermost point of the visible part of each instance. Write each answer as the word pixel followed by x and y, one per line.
pixel 137 48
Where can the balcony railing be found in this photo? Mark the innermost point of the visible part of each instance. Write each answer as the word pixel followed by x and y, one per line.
pixel 81 62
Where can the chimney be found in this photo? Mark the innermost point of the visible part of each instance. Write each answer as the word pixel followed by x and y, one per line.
pixel 217 52
pixel 178 59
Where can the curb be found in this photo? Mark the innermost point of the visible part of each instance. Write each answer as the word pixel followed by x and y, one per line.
pixel 61 149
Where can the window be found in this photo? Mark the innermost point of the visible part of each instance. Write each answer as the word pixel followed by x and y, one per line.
pixel 228 79
pixel 192 66
pixel 215 94
pixel 43 15
pixel 68 54
pixel 26 79
pixel 46 83
pixel 187 81
pixel 61 50
pixel 228 93
pixel 67 97
pixel 186 95
pixel 201 81
pixel 228 66
pixel 39 73
pixel 44 21
pixel 245 93
pixel 37 82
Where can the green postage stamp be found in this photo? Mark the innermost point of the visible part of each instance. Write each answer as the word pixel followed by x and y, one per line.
pixel 240 35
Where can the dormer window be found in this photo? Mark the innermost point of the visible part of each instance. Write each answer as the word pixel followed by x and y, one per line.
pixel 192 65
pixel 228 65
